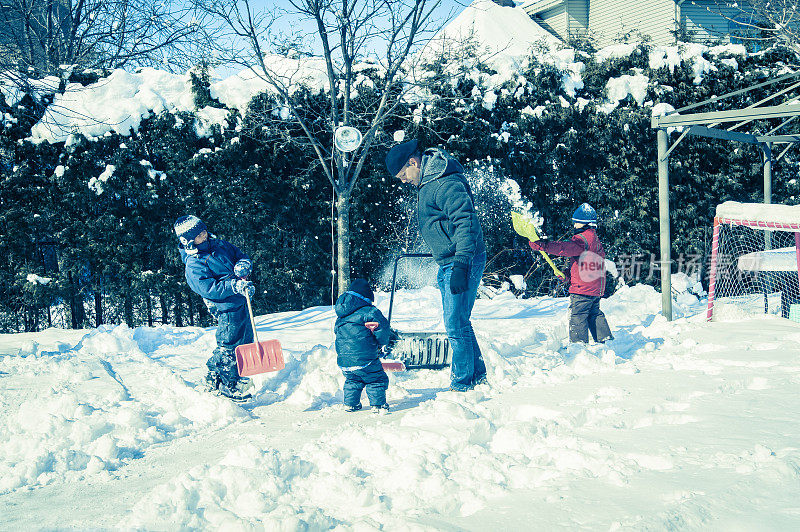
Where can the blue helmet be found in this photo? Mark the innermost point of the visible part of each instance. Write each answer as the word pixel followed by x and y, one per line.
pixel 585 214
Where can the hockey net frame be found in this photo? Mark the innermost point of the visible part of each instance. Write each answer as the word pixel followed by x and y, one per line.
pixel 766 226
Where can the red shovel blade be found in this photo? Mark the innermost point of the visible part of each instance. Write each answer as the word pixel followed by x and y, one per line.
pixel 261 357
pixel 393 365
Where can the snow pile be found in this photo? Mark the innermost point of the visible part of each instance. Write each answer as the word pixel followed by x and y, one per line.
pixel 505 38
pixel 291 72
pixel 773 260
pixel 772 213
pixel 618 90
pixel 96 183
pixel 117 103
pixel 108 429
pixel 36 279
pixel 13 88
pixel 90 408
pixel 672 56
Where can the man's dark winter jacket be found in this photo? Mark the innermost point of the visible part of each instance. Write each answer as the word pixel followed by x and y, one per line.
pixel 209 273
pixel 445 210
pixel 357 346
pixel 587 267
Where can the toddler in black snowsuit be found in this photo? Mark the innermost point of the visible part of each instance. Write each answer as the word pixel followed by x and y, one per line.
pixel 358 348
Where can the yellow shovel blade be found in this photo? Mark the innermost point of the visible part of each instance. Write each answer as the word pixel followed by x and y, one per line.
pixel 524 226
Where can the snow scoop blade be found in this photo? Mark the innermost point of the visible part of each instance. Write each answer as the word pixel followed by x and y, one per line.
pixel 393 365
pixel 423 350
pixel 259 357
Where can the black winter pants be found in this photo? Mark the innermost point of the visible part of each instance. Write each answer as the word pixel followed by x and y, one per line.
pixel 373 378
pixel 585 316
pixel 233 329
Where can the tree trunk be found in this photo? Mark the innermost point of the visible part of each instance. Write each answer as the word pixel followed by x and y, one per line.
pixel 128 303
pixel 164 309
pixel 343 241
pixel 149 309
pixel 191 310
pixel 178 310
pixel 76 306
pixel 98 308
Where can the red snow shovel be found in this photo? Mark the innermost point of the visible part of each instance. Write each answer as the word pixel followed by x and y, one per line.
pixel 258 357
pixel 388 365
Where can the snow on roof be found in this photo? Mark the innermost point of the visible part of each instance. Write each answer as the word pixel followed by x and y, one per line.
pixel 759 212
pixel 506 37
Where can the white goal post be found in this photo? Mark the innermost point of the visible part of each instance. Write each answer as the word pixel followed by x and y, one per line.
pixel 755 254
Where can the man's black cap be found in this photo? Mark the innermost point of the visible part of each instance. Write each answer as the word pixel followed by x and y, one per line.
pixel 399 155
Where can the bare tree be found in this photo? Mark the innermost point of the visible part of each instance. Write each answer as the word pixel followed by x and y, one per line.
pixel 760 21
pixel 39 37
pixel 345 38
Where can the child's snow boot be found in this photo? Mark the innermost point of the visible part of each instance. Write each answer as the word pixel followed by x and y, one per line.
pixel 235 392
pixel 382 409
pixel 352 408
pixel 212 380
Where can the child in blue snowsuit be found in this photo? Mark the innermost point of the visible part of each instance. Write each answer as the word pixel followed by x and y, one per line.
pixel 358 349
pixel 216 271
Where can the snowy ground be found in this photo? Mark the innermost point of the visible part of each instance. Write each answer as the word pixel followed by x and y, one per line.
pixel 681 425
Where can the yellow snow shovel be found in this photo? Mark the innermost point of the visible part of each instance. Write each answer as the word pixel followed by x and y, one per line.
pixel 525 227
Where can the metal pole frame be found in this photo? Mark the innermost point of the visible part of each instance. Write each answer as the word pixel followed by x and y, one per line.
pixel 663 218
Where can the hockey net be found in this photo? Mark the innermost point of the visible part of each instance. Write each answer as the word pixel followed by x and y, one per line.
pixel 755 253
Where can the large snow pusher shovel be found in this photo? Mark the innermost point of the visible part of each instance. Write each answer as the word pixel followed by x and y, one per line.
pixel 258 357
pixel 417 349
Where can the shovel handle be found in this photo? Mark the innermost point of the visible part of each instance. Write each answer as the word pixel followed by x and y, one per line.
pixel 556 271
pixel 252 319
pixel 394 277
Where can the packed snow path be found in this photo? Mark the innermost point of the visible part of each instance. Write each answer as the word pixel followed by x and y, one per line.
pixel 682 425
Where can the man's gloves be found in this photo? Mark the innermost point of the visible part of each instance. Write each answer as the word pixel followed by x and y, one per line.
pixel 536 246
pixel 242 268
pixel 458 278
pixel 240 286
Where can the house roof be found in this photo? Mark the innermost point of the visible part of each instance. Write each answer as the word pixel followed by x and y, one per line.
pixel 534 7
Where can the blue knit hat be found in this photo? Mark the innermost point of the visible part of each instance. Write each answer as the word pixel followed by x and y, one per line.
pixel 361 287
pixel 399 155
pixel 585 214
pixel 187 228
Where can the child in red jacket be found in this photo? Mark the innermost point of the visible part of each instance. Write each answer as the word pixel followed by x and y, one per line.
pixel 587 273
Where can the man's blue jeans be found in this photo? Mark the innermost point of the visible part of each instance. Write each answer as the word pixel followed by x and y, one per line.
pixel 467 367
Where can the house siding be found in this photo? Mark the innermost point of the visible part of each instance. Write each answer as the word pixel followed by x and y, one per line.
pixel 706 20
pixel 554 20
pixel 577 17
pixel 610 19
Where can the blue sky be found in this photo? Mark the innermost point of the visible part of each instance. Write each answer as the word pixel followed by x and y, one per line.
pixel 447 10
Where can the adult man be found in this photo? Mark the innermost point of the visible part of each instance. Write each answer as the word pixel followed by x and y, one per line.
pixel 216 271
pixel 449 225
